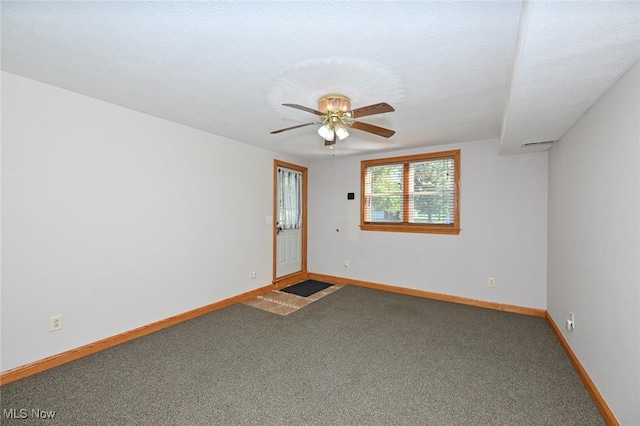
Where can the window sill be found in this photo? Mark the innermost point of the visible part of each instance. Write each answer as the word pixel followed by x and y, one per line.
pixel 414 228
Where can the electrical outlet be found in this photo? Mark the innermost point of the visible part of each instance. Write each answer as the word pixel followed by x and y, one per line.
pixel 346 263
pixel 55 323
pixel 253 273
pixel 491 281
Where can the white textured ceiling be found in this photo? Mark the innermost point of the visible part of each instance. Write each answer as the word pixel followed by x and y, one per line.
pixel 454 71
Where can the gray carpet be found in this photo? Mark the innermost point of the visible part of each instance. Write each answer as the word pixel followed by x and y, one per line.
pixel 356 357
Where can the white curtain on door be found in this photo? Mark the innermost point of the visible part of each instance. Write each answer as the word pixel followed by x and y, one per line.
pixel 290 190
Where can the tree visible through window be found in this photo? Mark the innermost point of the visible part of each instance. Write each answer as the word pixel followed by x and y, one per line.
pixel 417 193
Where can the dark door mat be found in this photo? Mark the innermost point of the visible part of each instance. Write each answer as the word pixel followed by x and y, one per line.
pixel 306 288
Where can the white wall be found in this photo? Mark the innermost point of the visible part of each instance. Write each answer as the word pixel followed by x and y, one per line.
pixel 503 220
pixel 116 219
pixel 594 243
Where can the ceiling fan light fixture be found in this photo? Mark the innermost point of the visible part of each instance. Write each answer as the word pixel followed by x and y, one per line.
pixel 341 131
pixel 326 131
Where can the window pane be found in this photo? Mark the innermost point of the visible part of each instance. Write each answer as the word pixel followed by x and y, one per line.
pixel 432 192
pixel 385 193
pixel 432 208
pixel 387 179
pixel 386 208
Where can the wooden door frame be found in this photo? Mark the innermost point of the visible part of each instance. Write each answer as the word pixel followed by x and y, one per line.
pixel 303 274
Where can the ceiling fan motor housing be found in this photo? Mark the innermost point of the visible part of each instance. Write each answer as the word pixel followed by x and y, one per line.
pixel 334 103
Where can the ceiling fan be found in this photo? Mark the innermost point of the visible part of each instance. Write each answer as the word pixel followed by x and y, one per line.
pixel 336 116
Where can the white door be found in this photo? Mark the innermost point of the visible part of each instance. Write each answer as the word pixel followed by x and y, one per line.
pixel 289 222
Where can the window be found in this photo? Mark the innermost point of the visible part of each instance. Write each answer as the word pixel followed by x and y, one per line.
pixel 416 193
pixel 289 199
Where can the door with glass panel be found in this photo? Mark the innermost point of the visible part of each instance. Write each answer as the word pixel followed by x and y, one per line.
pixel 289 217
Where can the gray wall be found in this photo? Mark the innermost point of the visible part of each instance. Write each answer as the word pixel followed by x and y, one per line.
pixel 116 219
pixel 503 218
pixel 594 243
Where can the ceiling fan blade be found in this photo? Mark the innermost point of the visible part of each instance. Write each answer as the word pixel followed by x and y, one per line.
pixel 371 110
pixel 303 108
pixel 291 128
pixel 380 131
